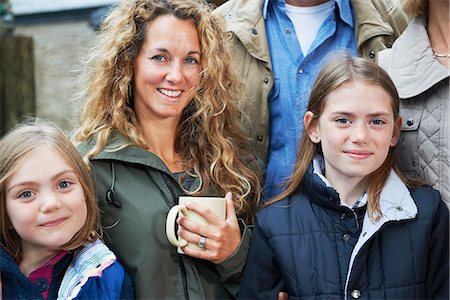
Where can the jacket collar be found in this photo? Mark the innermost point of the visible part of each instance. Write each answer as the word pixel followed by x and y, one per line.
pixel 412 65
pixel 119 148
pixel 396 202
pixel 88 262
pixel 7 263
pixel 246 21
pixel 318 188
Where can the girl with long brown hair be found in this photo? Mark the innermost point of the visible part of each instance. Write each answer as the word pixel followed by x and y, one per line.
pixel 349 225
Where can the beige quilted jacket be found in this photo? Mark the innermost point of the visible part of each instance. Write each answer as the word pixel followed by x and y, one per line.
pixel 423 85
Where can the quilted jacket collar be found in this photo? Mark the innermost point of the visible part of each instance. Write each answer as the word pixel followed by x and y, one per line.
pixel 412 65
pixel 89 262
pixel 396 202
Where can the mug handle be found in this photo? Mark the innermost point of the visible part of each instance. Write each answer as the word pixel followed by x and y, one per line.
pixel 170 225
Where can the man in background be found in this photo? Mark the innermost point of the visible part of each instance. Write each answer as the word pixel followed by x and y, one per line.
pixel 278 45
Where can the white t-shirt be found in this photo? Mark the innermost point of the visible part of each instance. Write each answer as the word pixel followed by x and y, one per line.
pixel 307 21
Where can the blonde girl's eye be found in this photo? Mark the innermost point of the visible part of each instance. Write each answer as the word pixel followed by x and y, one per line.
pixel 64 184
pixel 26 195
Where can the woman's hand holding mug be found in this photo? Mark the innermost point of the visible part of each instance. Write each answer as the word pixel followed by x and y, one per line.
pixel 206 229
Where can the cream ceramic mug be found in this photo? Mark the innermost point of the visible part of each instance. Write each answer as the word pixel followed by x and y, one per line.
pixel 216 204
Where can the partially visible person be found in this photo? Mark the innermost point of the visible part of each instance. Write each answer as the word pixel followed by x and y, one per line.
pixel 419 64
pixel 49 228
pixel 277 48
pixel 160 122
pixel 98 15
pixel 349 225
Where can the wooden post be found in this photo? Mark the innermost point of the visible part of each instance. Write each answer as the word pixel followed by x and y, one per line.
pixel 17 89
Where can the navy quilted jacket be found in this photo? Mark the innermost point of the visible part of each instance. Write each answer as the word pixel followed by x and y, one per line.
pixel 313 248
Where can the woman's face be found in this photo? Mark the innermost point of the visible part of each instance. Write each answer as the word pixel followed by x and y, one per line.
pixel 166 69
pixel 356 130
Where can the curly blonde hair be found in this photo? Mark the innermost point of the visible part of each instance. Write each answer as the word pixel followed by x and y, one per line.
pixel 210 139
pixel 414 7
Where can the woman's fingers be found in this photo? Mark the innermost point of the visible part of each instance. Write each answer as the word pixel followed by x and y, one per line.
pixel 222 237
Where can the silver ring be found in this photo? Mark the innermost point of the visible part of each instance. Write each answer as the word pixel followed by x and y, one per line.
pixel 201 242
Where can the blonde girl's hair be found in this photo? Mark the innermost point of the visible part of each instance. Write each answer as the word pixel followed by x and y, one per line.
pixel 210 138
pixel 15 148
pixel 342 68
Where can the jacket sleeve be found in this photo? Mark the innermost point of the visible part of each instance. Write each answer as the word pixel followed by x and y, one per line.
pixel 262 278
pixel 127 291
pixel 437 280
pixel 231 269
pixel 108 286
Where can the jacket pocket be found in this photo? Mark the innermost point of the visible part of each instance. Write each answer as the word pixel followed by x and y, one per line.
pixel 409 144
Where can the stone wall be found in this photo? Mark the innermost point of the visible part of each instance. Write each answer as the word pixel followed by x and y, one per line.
pixel 60 43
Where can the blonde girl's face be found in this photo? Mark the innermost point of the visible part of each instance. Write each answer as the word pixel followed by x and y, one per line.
pixel 166 69
pixel 45 201
pixel 356 130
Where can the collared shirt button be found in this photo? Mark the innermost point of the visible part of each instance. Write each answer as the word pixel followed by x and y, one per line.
pixel 410 122
pixel 343 215
pixel 346 237
pixel 300 71
pixel 254 31
pixel 356 294
pixel 42 284
pixel 287 30
pixel 266 80
pixel 372 54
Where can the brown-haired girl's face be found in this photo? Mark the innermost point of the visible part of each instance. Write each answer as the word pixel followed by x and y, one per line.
pixel 45 201
pixel 356 130
pixel 166 69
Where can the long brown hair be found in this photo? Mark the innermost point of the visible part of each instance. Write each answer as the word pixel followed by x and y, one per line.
pixel 341 68
pixel 210 139
pixel 15 147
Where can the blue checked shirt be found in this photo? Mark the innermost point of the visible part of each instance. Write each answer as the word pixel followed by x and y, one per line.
pixel 294 76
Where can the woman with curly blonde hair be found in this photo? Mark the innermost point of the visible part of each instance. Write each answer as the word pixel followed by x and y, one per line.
pixel 160 121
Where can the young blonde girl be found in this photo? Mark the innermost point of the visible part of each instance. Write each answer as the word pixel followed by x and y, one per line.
pixel 348 225
pixel 49 222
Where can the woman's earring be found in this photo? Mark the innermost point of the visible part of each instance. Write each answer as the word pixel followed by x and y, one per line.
pixel 316 138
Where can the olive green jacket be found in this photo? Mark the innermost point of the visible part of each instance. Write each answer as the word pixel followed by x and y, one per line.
pixel 134 228
pixel 375 30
